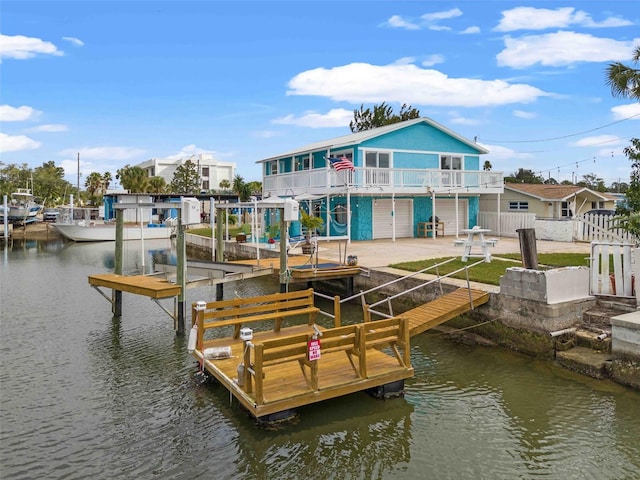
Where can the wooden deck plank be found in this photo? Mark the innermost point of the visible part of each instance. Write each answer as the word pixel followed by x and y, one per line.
pixel 443 309
pixel 139 284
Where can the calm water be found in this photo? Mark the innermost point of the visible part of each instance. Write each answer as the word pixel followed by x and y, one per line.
pixel 83 396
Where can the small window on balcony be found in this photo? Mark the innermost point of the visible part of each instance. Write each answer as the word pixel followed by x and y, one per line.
pixel 519 206
pixel 450 162
pixel 377 160
pixel 272 168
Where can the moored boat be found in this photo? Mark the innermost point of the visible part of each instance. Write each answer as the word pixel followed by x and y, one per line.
pixel 22 207
pixel 105 232
pixel 89 229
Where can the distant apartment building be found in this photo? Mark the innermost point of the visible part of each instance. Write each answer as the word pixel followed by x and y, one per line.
pixel 210 170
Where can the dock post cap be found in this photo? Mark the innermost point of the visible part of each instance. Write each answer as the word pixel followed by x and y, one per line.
pixel 201 305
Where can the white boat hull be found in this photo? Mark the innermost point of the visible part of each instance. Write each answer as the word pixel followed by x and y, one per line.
pixel 107 232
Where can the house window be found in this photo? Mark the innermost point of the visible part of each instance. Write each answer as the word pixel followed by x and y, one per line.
pixel 377 160
pixel 450 162
pixel 205 185
pixel 272 168
pixel 597 205
pixel 520 206
pixel 565 209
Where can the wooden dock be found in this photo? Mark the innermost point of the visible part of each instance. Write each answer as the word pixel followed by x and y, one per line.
pixel 145 285
pixel 279 370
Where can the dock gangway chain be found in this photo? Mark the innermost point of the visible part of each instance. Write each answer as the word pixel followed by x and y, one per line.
pixel 368 309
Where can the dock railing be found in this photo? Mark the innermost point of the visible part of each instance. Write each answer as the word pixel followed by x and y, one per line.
pixel 352 340
pixel 243 311
pixel 367 309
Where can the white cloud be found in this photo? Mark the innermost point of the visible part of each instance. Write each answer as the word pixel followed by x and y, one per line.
pixel 16 143
pixel 428 20
pixel 499 153
pixel 530 18
pixel 104 153
pixel 595 140
pixel 404 61
pixel 20 47
pixel 266 134
pixel 523 114
pixel 187 151
pixel 439 28
pixel 446 14
pixel 621 112
pixel 337 117
pixel 75 41
pixel 432 60
pixel 365 83
pixel 470 30
pixel 396 21
pixel 552 49
pixel 458 120
pixel 49 128
pixel 17 114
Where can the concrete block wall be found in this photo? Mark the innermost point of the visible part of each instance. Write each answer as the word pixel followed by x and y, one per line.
pixel 547 286
pixel 625 334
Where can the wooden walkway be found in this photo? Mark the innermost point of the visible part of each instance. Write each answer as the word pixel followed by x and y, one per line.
pixel 443 309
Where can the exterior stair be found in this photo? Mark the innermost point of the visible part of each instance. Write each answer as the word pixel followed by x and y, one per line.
pixel 588 350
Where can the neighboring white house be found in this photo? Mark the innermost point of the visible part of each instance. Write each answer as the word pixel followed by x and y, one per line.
pixel 211 171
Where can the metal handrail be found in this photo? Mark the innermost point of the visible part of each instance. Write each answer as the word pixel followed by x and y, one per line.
pixel 429 282
pixel 413 274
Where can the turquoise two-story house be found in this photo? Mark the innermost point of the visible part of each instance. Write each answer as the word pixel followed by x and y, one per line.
pixel 389 183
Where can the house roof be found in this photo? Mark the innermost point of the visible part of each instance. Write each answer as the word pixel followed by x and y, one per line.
pixel 545 192
pixel 359 137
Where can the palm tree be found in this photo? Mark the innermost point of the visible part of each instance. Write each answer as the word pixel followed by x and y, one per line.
pixel 106 181
pixel 134 179
pixel 157 185
pixel 624 80
pixel 225 184
pixel 93 184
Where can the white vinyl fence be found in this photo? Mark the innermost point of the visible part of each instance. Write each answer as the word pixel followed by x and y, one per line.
pixel 612 269
pixel 505 224
pixel 590 227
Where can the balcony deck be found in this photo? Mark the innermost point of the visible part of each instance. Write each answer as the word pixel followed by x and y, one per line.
pixel 384 180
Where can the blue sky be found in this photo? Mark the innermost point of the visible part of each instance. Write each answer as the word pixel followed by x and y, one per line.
pixel 122 81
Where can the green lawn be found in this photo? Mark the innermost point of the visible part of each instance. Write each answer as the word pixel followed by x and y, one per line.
pixel 491 272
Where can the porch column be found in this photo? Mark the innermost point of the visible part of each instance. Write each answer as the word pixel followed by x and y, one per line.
pixel 348 217
pixel 499 215
pixel 393 217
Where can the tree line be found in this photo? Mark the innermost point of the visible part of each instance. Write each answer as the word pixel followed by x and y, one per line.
pixel 47 183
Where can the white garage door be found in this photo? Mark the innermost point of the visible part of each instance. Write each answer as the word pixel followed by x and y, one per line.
pixel 383 219
pixel 446 212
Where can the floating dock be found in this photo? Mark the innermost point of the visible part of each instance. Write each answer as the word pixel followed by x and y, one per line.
pixel 279 369
pixel 275 370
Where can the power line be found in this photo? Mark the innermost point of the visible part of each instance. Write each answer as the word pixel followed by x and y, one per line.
pixel 563 136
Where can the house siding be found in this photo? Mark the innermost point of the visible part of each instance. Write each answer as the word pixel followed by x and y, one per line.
pixel 420 137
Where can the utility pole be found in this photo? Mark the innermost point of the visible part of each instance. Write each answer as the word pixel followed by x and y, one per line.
pixel 78 186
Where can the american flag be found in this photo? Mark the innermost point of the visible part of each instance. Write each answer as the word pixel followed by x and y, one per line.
pixel 342 163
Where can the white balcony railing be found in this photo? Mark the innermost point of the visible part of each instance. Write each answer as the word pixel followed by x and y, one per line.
pixel 408 181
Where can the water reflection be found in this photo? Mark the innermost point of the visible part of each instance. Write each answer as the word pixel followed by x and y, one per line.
pixel 86 396
pixel 356 435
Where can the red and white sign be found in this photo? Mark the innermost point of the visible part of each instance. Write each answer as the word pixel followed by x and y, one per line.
pixel 313 349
